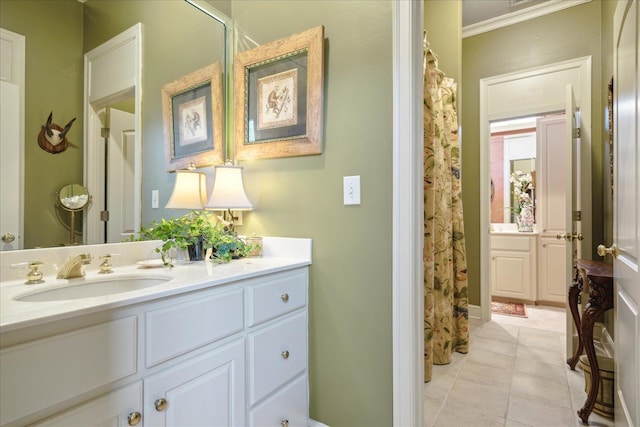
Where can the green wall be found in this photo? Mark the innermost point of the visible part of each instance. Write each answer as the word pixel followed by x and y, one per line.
pixel 443 23
pixel 350 338
pixel 568 34
pixel 53 72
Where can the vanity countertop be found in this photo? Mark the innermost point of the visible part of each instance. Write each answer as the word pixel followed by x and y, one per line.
pixel 278 254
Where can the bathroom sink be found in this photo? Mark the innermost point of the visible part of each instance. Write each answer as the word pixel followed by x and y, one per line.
pixel 93 288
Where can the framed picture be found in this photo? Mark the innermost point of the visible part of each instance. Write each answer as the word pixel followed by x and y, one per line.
pixel 278 93
pixel 192 119
pixel 609 127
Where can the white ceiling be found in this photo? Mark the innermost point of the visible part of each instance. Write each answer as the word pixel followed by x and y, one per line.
pixel 474 11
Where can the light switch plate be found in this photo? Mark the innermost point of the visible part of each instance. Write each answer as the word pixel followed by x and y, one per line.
pixel 155 204
pixel 351 190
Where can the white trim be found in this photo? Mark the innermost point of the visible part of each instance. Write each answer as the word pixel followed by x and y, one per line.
pixel 314 423
pixel 519 16
pixel 475 311
pixel 407 275
pixel 583 89
pixel 19 50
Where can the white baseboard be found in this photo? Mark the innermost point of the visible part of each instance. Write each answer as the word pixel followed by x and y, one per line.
pixel 475 311
pixel 314 423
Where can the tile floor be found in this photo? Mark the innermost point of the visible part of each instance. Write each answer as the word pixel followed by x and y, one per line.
pixel 515 375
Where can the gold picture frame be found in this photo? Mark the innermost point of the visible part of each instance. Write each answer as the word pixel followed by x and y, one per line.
pixel 192 119
pixel 278 97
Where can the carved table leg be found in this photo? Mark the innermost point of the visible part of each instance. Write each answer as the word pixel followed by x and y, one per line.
pixel 574 295
pixel 600 300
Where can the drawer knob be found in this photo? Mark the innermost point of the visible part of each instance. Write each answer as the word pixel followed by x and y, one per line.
pixel 285 354
pixel 284 423
pixel 284 297
pixel 160 404
pixel 134 418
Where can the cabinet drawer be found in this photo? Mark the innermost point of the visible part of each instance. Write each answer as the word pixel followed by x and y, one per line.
pixel 511 242
pixel 65 366
pixel 277 353
pixel 278 295
pixel 288 404
pixel 176 329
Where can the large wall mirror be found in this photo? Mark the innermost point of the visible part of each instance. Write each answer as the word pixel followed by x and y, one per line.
pixel 178 37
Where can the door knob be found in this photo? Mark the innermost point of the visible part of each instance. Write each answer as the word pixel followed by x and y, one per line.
pixel 8 237
pixel 565 236
pixel 577 236
pixel 613 250
pixel 160 404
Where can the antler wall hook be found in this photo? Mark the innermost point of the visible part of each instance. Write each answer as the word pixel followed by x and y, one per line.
pixel 53 138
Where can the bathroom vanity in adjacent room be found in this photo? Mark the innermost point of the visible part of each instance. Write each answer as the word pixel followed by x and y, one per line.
pixel 220 344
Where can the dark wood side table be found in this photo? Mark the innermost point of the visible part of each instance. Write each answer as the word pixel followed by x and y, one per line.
pixel 598 276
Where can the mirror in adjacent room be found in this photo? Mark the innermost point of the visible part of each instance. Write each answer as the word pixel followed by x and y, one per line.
pixel 512 153
pixel 178 38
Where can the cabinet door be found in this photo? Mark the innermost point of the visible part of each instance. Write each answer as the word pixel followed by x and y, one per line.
pixel 207 390
pixel 552 270
pixel 511 274
pixel 110 410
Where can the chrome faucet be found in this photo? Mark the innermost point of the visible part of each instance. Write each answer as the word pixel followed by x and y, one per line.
pixel 74 267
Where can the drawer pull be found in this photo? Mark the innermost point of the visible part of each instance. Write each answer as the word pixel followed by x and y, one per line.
pixel 134 418
pixel 284 423
pixel 160 404
pixel 285 354
pixel 284 297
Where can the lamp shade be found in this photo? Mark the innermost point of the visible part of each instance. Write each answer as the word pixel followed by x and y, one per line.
pixel 228 190
pixel 189 190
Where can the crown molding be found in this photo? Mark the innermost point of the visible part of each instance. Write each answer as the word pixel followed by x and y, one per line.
pixel 519 16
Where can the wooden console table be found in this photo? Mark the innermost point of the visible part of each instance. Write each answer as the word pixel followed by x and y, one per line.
pixel 599 279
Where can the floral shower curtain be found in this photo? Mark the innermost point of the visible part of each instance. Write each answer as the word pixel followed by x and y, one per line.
pixel 446 315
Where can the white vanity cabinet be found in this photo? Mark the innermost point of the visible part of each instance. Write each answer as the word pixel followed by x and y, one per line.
pixel 513 265
pixel 552 270
pixel 229 355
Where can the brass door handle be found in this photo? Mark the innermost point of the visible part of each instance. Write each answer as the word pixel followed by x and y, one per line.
pixel 613 250
pixel 577 236
pixel 284 297
pixel 564 236
pixel 8 237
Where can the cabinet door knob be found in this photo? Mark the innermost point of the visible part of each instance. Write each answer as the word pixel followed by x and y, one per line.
pixel 134 418
pixel 285 354
pixel 160 404
pixel 284 423
pixel 284 297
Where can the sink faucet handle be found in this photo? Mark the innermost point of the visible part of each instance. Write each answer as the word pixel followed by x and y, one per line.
pixel 105 266
pixel 34 275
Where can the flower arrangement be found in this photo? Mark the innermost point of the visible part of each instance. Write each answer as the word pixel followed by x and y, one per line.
pixel 522 183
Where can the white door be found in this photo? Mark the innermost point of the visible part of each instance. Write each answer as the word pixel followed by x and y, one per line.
pixel 12 58
pixel 551 208
pixel 120 179
pixel 626 212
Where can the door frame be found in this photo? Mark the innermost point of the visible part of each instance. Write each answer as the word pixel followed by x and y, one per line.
pixel 514 95
pixel 407 239
pixel 105 83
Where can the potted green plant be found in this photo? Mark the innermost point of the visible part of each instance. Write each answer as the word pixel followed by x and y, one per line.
pixel 195 232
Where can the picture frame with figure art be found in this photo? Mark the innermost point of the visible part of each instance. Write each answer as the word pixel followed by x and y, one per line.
pixel 192 119
pixel 278 97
